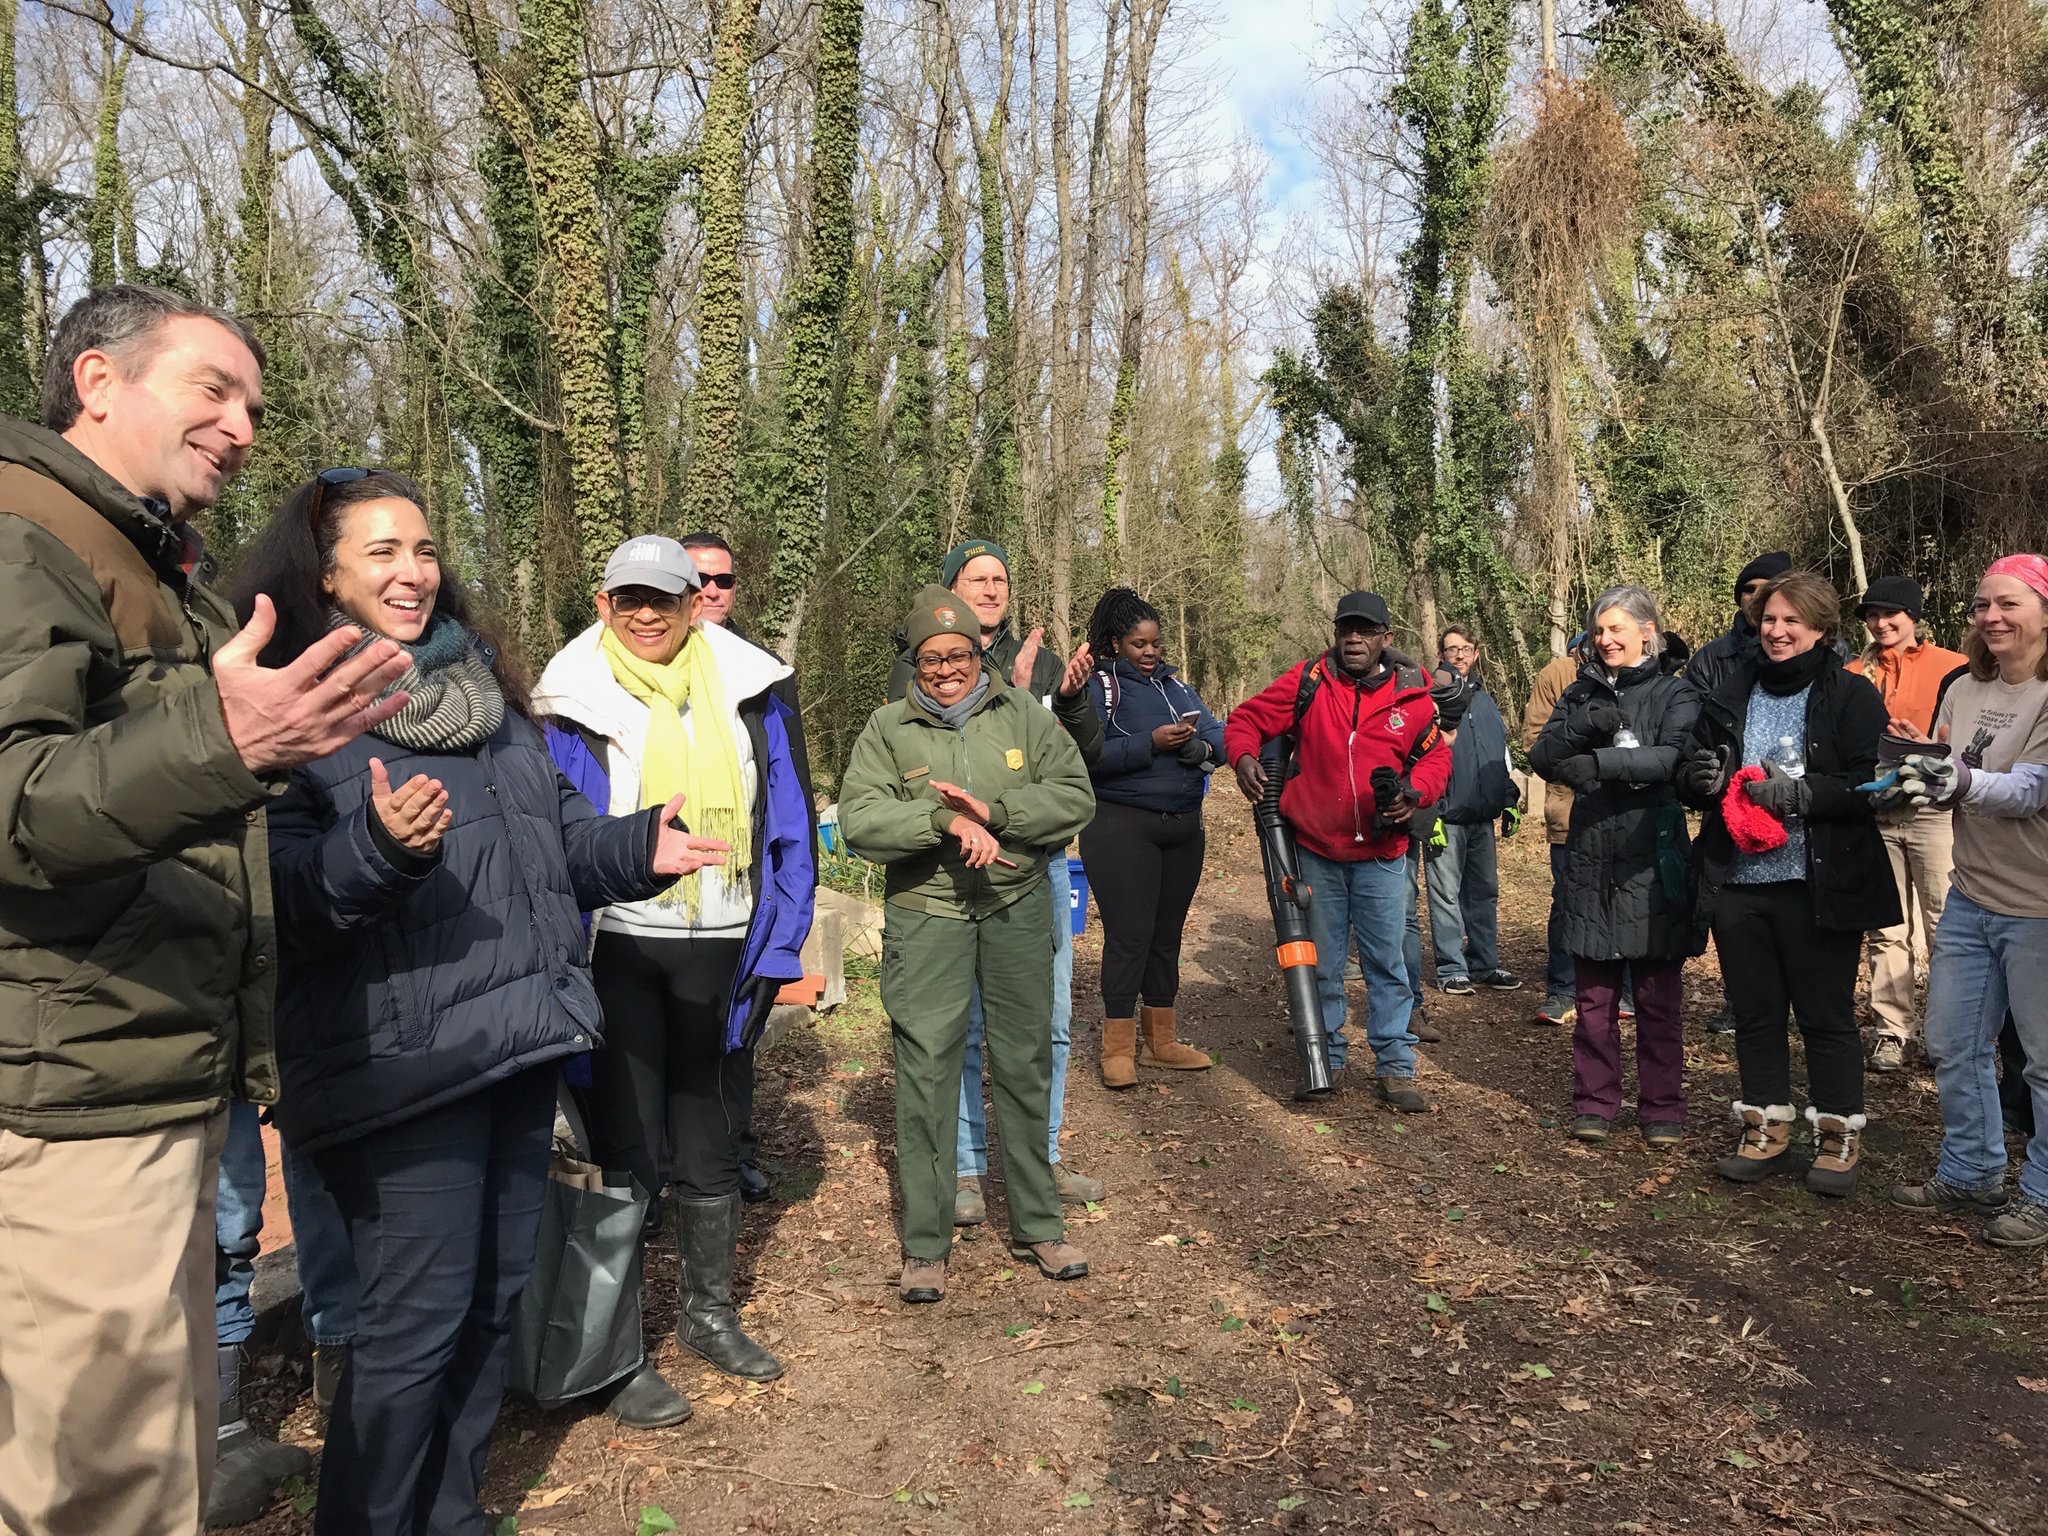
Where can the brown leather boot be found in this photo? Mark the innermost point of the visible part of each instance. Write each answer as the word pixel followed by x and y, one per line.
pixel 1162 1050
pixel 1119 1053
pixel 1766 1145
pixel 1836 1142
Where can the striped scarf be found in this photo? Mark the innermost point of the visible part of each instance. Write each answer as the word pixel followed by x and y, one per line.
pixel 456 704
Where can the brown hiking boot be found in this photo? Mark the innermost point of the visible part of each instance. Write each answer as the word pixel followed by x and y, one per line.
pixel 1119 1053
pixel 1766 1144
pixel 1055 1260
pixel 923 1279
pixel 970 1206
pixel 1836 1140
pixel 1162 1050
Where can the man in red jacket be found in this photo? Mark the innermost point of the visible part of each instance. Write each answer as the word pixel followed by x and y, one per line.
pixel 1367 754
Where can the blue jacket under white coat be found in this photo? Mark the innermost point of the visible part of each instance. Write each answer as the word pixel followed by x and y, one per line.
pixel 406 983
pixel 1132 706
pixel 593 718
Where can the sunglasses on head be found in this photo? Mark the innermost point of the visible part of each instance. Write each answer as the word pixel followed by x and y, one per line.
pixel 724 581
pixel 328 478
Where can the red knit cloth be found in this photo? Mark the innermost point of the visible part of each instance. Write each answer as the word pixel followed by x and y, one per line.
pixel 1754 829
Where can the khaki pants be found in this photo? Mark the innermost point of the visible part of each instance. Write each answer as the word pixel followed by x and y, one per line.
pixel 109 1380
pixel 1922 853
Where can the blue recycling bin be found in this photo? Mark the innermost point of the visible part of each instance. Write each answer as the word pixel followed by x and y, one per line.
pixel 1077 878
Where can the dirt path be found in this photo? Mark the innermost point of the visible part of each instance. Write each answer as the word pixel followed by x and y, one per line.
pixel 1330 1318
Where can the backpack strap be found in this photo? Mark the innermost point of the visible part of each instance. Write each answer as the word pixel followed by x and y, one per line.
pixel 1306 685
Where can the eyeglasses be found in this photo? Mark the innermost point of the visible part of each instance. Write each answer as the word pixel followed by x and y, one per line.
pixel 724 581
pixel 1459 652
pixel 628 601
pixel 931 666
pixel 324 481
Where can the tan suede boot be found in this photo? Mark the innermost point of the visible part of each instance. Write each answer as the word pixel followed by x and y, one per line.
pixel 1837 1141
pixel 1766 1145
pixel 1119 1053
pixel 1162 1050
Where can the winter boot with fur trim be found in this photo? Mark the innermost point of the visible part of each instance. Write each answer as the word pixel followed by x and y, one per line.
pixel 1836 1140
pixel 1766 1145
pixel 1160 1049
pixel 1119 1053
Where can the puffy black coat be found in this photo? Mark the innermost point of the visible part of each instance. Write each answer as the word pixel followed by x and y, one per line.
pixel 1626 892
pixel 1713 662
pixel 1848 872
pixel 406 984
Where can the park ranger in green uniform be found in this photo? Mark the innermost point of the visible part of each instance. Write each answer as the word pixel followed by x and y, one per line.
pixel 959 788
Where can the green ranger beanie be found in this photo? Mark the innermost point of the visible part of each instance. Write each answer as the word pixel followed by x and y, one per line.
pixel 936 611
pixel 960 554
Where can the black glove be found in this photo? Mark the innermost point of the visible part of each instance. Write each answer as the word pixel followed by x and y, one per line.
pixel 1578 774
pixel 1390 799
pixel 1604 718
pixel 1704 772
pixel 1452 697
pixel 1194 752
pixel 1779 793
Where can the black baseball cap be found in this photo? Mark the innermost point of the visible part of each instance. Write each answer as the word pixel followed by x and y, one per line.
pixel 1367 607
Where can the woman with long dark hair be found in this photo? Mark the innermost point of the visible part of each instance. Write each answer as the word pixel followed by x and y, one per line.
pixel 1143 851
pixel 428 881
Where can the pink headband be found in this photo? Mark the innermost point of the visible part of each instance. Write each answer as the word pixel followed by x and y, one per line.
pixel 2031 569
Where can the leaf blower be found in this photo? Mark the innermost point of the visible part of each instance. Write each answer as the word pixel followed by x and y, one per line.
pixel 1289 897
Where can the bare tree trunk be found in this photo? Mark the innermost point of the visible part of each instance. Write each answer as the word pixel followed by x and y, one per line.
pixel 17 226
pixel 1146 18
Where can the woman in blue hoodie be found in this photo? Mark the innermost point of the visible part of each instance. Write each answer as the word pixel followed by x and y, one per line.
pixel 1143 852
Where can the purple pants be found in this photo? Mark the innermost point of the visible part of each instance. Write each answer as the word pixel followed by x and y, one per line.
pixel 1660 1038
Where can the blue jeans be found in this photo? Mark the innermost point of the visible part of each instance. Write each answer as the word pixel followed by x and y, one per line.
pixel 320 1245
pixel 1982 964
pixel 1411 939
pixel 971 1160
pixel 1361 902
pixel 1464 897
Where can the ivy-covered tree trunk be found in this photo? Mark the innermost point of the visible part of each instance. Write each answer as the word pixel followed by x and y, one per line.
pixel 109 179
pixel 643 190
pixel 720 388
pixel 813 322
pixel 17 229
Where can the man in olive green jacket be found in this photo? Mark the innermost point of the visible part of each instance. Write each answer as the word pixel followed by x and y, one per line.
pixel 139 742
pixel 963 815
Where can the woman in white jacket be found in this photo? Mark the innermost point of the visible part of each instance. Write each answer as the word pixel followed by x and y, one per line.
pixel 650 702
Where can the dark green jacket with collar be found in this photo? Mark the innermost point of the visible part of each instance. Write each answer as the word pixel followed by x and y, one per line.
pixel 137 955
pixel 1010 753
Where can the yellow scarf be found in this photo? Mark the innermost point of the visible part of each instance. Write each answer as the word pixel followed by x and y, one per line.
pixel 706 770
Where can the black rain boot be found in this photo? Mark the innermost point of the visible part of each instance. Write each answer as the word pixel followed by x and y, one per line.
pixel 707 1238
pixel 644 1400
pixel 248 1469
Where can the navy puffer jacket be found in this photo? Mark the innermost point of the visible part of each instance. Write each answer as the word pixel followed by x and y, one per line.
pixel 406 984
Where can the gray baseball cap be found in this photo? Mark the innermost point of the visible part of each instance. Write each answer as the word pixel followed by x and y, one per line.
pixel 652 561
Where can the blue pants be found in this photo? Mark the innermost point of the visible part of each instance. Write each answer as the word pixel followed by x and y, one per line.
pixel 1464 896
pixel 1981 964
pixel 1558 980
pixel 327 1266
pixel 1361 902
pixel 971 1158
pixel 1411 939
pixel 444 1212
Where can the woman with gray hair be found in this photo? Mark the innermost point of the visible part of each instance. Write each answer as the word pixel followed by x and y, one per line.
pixel 1617 739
